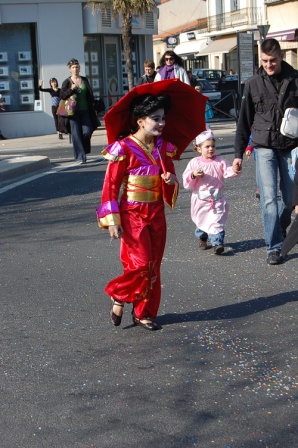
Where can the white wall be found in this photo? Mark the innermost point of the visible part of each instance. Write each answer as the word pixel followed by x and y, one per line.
pixel 176 13
pixel 283 17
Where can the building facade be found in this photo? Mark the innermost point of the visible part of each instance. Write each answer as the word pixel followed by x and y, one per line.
pixel 39 37
pixel 283 21
pixel 210 41
pixel 175 18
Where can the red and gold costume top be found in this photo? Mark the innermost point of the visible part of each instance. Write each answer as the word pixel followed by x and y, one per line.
pixel 138 170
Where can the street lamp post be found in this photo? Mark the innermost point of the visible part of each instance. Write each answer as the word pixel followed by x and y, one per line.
pixel 263 30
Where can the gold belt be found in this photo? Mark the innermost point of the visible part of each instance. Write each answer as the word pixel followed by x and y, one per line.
pixel 142 188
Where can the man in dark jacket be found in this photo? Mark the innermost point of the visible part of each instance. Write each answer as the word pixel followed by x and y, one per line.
pixel 149 75
pixel 266 96
pixel 295 194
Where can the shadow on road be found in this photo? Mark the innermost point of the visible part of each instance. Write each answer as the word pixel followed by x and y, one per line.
pixel 233 311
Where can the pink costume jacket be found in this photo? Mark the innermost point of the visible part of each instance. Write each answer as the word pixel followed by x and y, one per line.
pixel 140 212
pixel 209 207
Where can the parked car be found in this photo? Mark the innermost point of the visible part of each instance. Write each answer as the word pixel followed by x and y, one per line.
pixel 208 90
pixel 232 77
pixel 213 76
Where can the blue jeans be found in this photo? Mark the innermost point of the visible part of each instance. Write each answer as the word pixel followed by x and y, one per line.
pixel 81 132
pixel 216 239
pixel 271 166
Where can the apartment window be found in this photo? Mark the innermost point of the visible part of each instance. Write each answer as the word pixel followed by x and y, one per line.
pixel 18 67
pixel 234 5
pixel 106 18
pixel 149 20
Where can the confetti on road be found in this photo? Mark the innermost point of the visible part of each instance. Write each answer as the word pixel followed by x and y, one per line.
pixel 248 361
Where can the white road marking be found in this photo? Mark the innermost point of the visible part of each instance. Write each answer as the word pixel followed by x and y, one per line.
pixel 46 173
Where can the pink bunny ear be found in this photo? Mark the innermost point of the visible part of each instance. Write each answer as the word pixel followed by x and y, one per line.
pixel 206 135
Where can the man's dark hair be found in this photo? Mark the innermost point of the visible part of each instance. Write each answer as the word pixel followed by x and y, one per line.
pixel 270 46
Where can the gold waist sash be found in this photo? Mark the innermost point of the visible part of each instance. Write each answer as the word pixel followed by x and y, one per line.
pixel 142 188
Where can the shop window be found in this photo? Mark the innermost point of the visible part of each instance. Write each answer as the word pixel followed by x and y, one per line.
pixel 18 67
pixel 93 64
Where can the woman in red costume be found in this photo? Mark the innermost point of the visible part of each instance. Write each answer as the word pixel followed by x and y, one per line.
pixel 142 165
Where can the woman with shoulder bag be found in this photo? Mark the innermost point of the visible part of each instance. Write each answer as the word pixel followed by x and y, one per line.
pixel 84 120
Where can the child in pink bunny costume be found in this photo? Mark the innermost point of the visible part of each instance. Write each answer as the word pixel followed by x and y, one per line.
pixel 205 175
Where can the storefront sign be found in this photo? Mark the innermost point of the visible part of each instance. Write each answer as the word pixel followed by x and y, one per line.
pixel 191 36
pixel 245 56
pixel 172 41
pixel 283 35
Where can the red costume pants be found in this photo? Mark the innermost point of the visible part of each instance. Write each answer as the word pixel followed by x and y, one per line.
pixel 141 252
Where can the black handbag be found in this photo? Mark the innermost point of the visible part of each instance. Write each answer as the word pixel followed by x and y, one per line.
pixel 94 119
pixel 99 105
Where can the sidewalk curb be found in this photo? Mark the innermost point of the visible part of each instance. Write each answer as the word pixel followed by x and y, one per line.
pixel 20 166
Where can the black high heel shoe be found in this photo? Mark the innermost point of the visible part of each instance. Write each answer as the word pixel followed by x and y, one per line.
pixel 151 325
pixel 115 319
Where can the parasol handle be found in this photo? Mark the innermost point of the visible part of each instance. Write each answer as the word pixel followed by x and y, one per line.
pixel 161 163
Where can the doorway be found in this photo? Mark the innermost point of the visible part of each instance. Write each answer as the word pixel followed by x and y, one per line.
pixel 111 67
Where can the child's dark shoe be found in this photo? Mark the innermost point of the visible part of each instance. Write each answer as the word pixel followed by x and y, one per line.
pixel 218 250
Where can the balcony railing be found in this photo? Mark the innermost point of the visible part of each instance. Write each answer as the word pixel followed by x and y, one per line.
pixel 276 1
pixel 235 19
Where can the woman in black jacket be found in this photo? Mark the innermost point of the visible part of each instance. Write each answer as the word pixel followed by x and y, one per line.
pixel 83 122
pixel 54 91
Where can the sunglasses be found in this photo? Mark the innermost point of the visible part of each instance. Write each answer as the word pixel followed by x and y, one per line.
pixel 169 59
pixel 73 62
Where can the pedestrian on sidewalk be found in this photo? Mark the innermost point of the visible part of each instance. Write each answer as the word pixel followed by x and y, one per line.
pixel 192 79
pixel 266 96
pixel 54 91
pixel 84 121
pixel 171 67
pixel 149 72
pixel 138 219
pixel 205 175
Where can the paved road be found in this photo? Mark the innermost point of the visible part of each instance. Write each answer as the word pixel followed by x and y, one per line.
pixel 222 372
pixel 21 157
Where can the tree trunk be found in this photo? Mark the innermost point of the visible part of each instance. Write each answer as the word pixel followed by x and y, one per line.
pixel 127 42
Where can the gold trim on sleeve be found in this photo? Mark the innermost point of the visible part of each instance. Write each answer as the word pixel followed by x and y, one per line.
pixel 112 219
pixel 172 154
pixel 112 158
